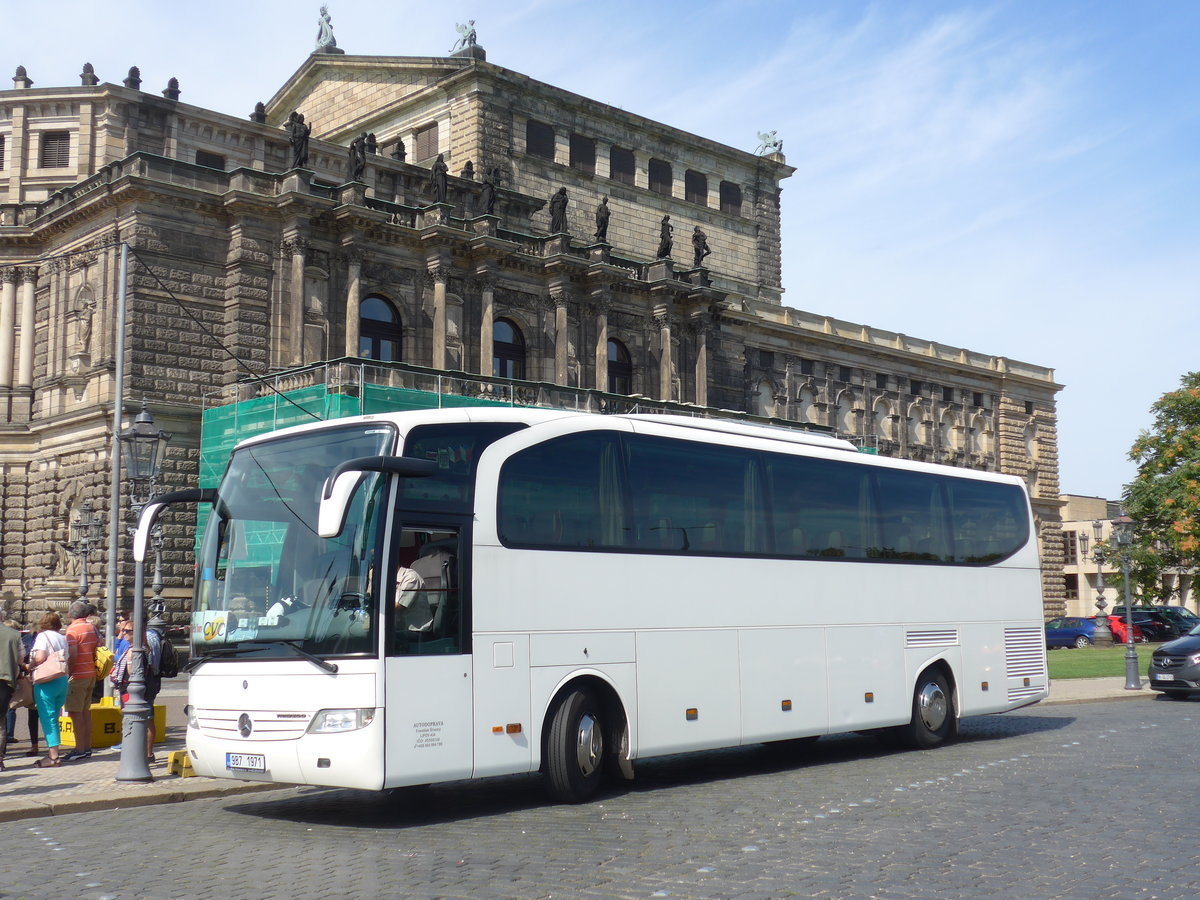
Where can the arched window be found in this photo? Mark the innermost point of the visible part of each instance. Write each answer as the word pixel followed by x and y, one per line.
pixel 508 350
pixel 806 403
pixel 883 421
pixel 380 334
pixel 620 369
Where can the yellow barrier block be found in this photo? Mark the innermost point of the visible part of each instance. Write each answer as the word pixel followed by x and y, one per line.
pixel 106 725
pixel 179 763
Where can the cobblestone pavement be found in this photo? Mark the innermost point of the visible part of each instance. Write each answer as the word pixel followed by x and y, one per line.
pixel 1088 801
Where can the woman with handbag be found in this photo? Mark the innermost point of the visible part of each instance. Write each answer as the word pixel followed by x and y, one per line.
pixel 51 667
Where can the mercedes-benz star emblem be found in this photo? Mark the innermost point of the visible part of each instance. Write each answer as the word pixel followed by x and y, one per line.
pixel 245 726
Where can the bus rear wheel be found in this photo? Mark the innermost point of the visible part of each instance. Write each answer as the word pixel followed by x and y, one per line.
pixel 575 748
pixel 933 718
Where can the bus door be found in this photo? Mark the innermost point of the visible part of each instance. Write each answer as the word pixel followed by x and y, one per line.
pixel 427 690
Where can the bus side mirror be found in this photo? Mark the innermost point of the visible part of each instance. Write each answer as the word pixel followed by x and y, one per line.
pixel 152 510
pixel 343 481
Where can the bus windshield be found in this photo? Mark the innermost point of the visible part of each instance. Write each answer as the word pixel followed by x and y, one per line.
pixel 267 584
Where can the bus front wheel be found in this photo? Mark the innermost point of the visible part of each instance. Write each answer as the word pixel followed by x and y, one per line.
pixel 575 748
pixel 933 718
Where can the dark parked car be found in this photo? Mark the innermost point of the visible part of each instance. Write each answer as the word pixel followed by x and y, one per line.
pixel 1175 666
pixel 1159 623
pixel 1069 631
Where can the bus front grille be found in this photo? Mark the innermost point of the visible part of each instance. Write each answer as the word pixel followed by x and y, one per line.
pixel 265 725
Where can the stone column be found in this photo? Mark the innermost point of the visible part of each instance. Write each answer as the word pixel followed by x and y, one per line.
pixel 296 247
pixel 487 339
pixel 25 371
pixel 662 319
pixel 353 300
pixel 602 303
pixel 561 300
pixel 701 324
pixel 8 323
pixel 439 274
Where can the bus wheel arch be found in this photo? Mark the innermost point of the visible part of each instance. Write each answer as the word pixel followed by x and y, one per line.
pixel 585 736
pixel 934 708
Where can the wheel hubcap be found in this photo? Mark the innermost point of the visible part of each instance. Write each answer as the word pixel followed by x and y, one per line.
pixel 932 706
pixel 590 748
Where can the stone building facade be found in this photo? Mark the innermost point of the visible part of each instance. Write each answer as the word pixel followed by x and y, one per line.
pixel 247 263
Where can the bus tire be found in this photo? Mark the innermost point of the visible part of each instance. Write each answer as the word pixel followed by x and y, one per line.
pixel 933 718
pixel 575 748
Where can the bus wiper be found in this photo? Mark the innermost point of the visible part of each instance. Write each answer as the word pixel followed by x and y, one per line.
pixel 322 664
pixel 227 650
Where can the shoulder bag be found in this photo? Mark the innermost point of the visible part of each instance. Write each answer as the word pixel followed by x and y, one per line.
pixel 54 666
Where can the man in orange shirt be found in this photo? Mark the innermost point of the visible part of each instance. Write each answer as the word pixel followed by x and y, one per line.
pixel 82 640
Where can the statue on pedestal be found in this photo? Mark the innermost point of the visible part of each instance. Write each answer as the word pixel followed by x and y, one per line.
pixel 558 212
pixel 664 238
pixel 437 179
pixel 487 196
pixel 298 133
pixel 700 247
pixel 602 215
pixel 357 162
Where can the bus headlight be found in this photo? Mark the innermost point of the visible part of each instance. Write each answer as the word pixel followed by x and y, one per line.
pixel 332 721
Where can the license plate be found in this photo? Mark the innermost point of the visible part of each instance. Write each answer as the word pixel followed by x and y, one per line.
pixel 1158 676
pixel 246 762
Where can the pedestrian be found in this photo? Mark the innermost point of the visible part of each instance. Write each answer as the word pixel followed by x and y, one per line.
pixel 124 629
pixel 10 671
pixel 30 711
pixel 83 639
pixel 50 695
pixel 153 679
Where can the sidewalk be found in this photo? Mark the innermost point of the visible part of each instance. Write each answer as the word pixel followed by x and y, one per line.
pixel 27 792
pixel 1091 690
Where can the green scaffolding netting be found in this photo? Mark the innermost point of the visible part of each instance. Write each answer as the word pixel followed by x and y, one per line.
pixel 222 427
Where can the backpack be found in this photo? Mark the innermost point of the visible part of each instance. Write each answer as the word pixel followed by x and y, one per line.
pixel 168 660
pixel 105 659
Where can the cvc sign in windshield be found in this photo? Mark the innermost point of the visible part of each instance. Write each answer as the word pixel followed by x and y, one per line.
pixel 267 584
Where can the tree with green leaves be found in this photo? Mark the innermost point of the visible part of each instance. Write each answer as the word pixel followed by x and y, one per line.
pixel 1164 498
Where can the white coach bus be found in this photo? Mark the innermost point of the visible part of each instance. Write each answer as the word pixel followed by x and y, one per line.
pixel 417 597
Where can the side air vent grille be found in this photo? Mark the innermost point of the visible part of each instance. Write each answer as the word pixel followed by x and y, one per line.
pixel 945 637
pixel 1024 652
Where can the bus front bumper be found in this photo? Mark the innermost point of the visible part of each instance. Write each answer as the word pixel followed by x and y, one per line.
pixel 352 759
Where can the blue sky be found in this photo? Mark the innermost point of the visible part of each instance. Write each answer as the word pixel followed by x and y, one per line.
pixel 1017 178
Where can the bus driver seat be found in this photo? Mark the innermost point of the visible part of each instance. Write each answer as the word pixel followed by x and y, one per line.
pixel 435 565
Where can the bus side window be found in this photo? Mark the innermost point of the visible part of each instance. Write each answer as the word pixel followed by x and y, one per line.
pixel 427 595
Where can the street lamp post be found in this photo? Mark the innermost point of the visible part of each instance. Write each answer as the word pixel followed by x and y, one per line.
pixel 1102 634
pixel 86 532
pixel 143 448
pixel 1123 538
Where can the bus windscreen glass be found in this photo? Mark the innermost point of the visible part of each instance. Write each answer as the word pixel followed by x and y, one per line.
pixel 267 585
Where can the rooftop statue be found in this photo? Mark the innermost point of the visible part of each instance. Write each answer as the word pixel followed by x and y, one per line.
pixel 768 143
pixel 466 35
pixel 325 39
